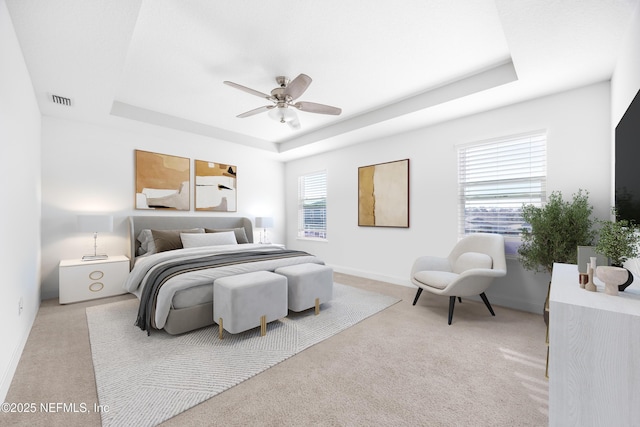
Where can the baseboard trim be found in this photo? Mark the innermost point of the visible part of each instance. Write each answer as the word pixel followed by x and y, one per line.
pixel 373 276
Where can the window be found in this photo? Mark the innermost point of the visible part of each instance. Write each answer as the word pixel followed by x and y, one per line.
pixel 496 178
pixel 312 205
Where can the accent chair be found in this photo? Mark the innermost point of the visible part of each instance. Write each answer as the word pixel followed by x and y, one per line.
pixel 474 262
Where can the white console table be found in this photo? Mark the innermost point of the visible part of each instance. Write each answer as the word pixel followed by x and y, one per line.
pixel 594 353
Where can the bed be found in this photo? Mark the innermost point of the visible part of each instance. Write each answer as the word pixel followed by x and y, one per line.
pixel 174 281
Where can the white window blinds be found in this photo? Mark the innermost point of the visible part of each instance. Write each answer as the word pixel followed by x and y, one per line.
pixel 312 205
pixel 496 178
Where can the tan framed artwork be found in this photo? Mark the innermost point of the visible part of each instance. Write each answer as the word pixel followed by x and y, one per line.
pixel 162 181
pixel 383 194
pixel 215 187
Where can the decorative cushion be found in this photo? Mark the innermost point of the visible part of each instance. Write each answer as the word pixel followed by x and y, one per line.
pixel 241 234
pixel 168 240
pixel 469 260
pixel 435 279
pixel 193 240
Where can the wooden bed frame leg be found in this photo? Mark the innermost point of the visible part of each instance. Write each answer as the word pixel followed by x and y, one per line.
pixel 220 328
pixel 263 325
pixel 317 306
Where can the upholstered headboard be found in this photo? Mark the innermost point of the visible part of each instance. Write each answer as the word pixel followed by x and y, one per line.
pixel 138 223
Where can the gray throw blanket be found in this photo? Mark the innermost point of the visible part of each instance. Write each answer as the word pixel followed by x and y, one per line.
pixel 158 276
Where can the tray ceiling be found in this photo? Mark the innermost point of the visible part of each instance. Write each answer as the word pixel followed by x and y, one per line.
pixel 390 66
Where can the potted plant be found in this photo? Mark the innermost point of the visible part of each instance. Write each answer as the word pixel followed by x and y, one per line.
pixel 554 233
pixel 618 240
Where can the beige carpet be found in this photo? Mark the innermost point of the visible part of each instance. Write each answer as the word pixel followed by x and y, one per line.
pixel 401 367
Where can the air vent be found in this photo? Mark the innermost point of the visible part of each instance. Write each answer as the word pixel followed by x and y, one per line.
pixel 57 99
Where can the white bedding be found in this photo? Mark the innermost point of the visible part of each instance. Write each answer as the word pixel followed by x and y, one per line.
pixel 145 264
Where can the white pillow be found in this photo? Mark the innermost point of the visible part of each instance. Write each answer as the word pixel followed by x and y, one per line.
pixel 208 239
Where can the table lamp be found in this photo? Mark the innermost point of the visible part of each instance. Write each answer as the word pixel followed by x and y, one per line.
pixel 264 222
pixel 94 224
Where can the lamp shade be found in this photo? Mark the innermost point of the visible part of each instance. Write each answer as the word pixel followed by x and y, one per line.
pixel 95 223
pixel 264 222
pixel 282 114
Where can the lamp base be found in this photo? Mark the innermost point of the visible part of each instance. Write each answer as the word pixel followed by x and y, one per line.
pixel 95 257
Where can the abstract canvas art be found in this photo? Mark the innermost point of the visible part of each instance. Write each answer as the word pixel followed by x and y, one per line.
pixel 215 187
pixel 162 181
pixel 383 194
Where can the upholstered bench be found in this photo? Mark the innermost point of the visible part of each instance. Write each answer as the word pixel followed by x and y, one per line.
pixel 248 300
pixel 308 285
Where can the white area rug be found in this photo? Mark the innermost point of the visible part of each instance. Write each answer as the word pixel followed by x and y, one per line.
pixel 145 380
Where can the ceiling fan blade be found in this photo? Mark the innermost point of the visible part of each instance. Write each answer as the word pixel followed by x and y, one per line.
pixel 255 111
pixel 248 90
pixel 312 107
pixel 297 86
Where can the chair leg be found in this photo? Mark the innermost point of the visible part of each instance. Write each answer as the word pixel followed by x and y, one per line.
pixel 459 299
pixel 486 302
pixel 415 300
pixel 452 303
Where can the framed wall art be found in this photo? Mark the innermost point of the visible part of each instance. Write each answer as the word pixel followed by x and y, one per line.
pixel 162 181
pixel 383 194
pixel 215 187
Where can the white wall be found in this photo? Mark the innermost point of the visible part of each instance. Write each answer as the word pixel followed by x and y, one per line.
pixel 20 195
pixel 625 82
pixel 578 135
pixel 91 168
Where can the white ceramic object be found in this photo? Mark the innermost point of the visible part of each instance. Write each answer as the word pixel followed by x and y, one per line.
pixel 612 278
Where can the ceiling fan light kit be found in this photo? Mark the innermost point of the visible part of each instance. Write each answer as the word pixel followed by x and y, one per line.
pixel 282 114
pixel 283 97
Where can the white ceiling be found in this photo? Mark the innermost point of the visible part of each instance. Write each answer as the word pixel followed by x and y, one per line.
pixel 390 66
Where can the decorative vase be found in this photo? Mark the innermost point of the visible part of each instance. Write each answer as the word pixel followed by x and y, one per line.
pixel 583 278
pixel 612 277
pixel 629 280
pixel 590 286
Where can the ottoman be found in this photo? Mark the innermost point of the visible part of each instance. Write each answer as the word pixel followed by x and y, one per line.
pixel 308 285
pixel 248 300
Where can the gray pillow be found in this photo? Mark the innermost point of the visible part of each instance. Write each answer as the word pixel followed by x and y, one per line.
pixel 169 240
pixel 146 243
pixel 241 234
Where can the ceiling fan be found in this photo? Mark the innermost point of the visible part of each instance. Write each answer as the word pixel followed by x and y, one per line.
pixel 283 98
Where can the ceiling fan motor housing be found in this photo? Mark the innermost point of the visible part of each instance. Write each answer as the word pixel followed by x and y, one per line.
pixel 280 96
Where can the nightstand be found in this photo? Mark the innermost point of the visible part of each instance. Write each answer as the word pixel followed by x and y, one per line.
pixel 86 280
